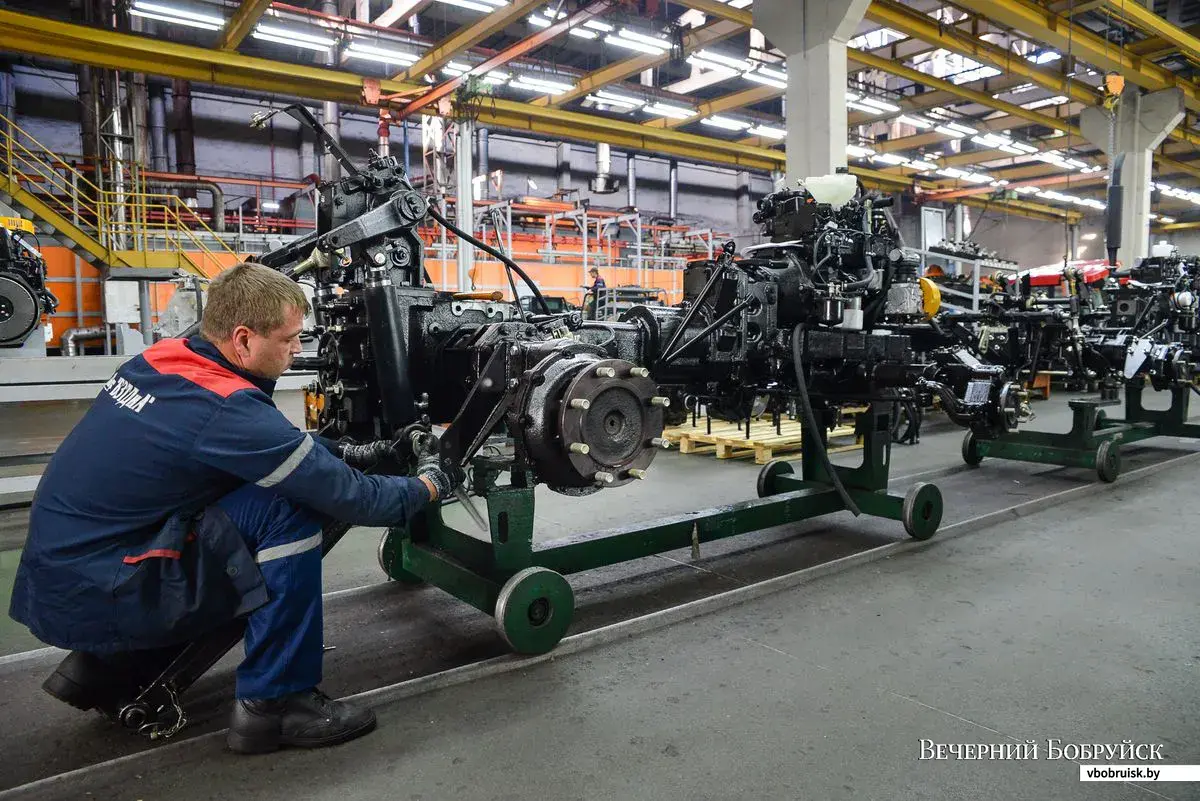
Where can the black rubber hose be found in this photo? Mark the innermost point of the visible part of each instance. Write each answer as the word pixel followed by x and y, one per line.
pixel 813 429
pixel 505 260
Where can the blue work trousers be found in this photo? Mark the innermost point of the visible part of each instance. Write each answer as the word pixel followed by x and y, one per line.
pixel 284 642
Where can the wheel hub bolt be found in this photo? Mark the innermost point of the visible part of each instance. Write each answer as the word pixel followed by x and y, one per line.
pixel 581 447
pixel 581 403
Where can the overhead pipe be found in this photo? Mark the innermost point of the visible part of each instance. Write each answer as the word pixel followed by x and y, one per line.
pixel 158 128
pixel 481 145
pixel 631 181
pixel 603 183
pixel 673 190
pixel 218 196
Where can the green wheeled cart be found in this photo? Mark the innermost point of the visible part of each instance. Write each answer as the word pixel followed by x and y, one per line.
pixel 521 582
pixel 1094 441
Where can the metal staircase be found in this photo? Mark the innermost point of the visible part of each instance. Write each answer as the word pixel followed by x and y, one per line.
pixel 110 222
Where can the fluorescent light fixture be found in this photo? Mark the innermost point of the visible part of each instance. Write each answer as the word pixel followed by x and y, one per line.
pixel 664 110
pixel 1090 237
pixel 1027 190
pixel 922 166
pixel 583 33
pixel 778 75
pixel 541 85
pixel 890 158
pixel 696 61
pixel 540 22
pixel 857 106
pixel 947 131
pixel 1025 148
pixel 613 97
pixel 966 129
pixel 953 172
pixel 727 123
pixel 916 122
pixel 486 6
pixel 288 36
pixel 1046 57
pixel 739 64
pixel 1057 100
pixel 1011 149
pixel 270 205
pixel 597 25
pixel 630 44
pixel 178 16
pixel 383 55
pixel 614 103
pixel 768 131
pixel 765 79
pixel 1166 219
pixel 880 104
pixel 855 151
pixel 852 96
pixel 977 178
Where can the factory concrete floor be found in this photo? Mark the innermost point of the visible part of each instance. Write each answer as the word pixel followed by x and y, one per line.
pixel 1074 625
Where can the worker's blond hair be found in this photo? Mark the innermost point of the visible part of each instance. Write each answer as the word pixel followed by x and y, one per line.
pixel 251 295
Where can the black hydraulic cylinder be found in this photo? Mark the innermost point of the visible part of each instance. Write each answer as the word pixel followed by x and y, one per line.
pixel 385 320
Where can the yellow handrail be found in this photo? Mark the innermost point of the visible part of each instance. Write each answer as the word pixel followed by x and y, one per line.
pixel 117 217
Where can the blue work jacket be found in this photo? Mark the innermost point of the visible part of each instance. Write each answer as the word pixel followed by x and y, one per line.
pixel 126 549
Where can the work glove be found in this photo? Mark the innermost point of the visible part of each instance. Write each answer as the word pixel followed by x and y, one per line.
pixel 444 480
pixel 366 455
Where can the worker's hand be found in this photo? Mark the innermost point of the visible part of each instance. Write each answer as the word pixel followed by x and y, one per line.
pixel 441 482
pixel 366 455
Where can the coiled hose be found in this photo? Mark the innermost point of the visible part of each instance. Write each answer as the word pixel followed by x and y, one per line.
pixel 810 420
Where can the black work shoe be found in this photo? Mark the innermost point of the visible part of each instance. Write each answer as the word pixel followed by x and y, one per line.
pixel 86 681
pixel 308 719
pixel 106 681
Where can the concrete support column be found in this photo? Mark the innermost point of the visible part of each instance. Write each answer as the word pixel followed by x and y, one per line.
pixel 1129 135
pixel 464 208
pixel 813 34
pixel 745 211
pixel 563 169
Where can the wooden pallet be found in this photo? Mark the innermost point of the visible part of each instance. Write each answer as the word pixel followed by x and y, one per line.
pixel 729 440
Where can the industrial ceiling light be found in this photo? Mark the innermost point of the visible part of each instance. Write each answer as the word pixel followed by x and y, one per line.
pixel 760 77
pixel 664 110
pixel 534 84
pixel 727 123
pixel 890 158
pixel 369 52
pixel 618 104
pixel 882 105
pixel 859 152
pixel 288 36
pixel 768 131
pixel 473 5
pixel 177 16
pixel 613 97
pixel 629 44
pixel 696 61
pixel 914 121
pixel 739 64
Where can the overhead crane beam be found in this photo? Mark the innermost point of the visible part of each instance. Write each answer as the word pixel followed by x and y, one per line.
pixel 105 49
pixel 1060 32
pixel 719 105
pixel 620 70
pixel 714 8
pixel 238 27
pixel 907 20
pixel 1150 23
pixel 468 36
pixel 514 51
pixel 400 9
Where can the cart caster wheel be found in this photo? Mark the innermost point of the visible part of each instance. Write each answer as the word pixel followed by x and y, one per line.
pixel 389 561
pixel 970 449
pixel 766 476
pixel 134 716
pixel 1108 461
pixel 534 610
pixel 922 511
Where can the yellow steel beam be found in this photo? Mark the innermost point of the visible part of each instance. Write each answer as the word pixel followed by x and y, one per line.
pixel 729 102
pixel 25 33
pixel 713 8
pixel 468 36
pixel 1183 226
pixel 1060 32
pixel 398 10
pixel 620 70
pixel 1150 23
pixel 238 27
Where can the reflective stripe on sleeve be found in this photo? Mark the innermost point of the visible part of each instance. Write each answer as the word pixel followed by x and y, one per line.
pixel 289 464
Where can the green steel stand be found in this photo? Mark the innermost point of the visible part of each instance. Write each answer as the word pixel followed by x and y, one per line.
pixel 521 582
pixel 1094 441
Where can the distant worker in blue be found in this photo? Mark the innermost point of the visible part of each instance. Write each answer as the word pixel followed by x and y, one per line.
pixel 597 286
pixel 184 499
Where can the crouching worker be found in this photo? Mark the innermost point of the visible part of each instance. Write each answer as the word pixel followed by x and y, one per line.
pixel 184 499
